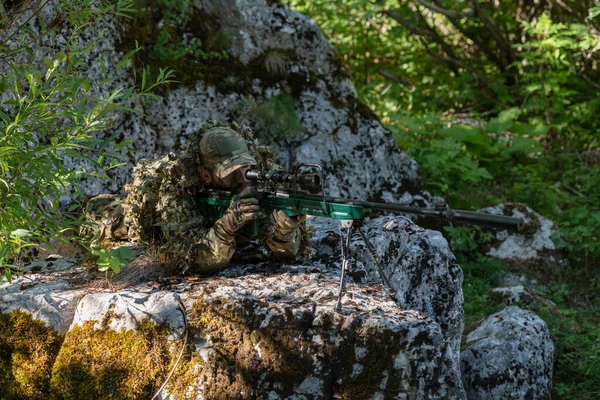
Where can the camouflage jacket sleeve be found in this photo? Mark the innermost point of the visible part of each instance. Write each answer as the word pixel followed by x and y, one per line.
pixel 214 249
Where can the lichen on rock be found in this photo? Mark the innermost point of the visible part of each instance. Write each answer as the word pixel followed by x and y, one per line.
pixel 532 250
pixel 276 336
pixel 418 263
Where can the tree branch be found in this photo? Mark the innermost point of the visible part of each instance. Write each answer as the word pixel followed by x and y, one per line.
pixel 394 78
pixel 413 28
pixel 452 62
pixel 494 30
pixel 481 45
pixel 467 12
pixel 439 40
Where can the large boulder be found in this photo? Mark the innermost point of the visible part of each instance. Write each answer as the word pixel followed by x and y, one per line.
pixel 510 355
pixel 46 295
pixel 417 262
pixel 256 331
pixel 274 70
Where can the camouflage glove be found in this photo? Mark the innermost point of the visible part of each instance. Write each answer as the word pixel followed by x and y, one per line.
pixel 242 209
pixel 284 226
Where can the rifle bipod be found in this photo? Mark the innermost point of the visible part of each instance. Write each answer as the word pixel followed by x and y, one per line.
pixel 345 249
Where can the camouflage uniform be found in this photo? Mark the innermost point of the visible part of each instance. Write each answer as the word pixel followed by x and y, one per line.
pixel 160 205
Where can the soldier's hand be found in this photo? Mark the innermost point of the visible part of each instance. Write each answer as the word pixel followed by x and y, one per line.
pixel 242 209
pixel 284 224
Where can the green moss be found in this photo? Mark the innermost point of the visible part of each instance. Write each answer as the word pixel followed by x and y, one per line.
pixel 27 351
pixel 185 378
pixel 103 363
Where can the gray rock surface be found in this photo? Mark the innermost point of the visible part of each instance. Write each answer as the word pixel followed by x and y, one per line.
pixel 418 263
pixel 48 297
pixel 279 322
pixel 359 154
pixel 512 295
pixel 531 250
pixel 130 307
pixel 522 296
pixel 292 314
pixel 510 355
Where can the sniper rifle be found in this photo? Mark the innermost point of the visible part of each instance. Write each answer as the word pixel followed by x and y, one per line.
pixel 297 194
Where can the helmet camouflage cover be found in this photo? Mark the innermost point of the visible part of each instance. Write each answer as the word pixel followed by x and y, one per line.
pixel 223 150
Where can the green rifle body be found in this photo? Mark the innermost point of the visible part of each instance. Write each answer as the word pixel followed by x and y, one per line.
pixel 215 203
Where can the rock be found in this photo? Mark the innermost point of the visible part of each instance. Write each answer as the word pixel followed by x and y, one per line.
pixel 519 295
pixel 516 279
pixel 47 297
pixel 418 263
pixel 273 52
pixel 262 331
pixel 129 307
pixel 531 250
pixel 511 295
pixel 278 336
pixel 510 355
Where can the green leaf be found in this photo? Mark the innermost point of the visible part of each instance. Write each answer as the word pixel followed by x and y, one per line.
pixel 21 233
pixel 496 125
pixel 122 144
pixel 465 133
pixel 125 253
pixel 527 145
pixel 115 263
pixel 60 56
pixel 524 129
pixel 8 275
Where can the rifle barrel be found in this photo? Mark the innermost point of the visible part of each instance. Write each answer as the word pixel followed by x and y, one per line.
pixel 445 214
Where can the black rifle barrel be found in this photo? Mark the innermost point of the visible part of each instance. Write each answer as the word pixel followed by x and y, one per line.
pixel 445 214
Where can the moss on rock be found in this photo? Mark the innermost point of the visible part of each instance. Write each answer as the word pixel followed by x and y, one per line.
pixel 28 349
pixel 103 363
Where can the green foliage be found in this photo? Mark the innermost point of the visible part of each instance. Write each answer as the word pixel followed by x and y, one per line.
pixel 575 331
pixel 175 34
pixel 554 85
pixel 496 104
pixel 51 111
pixel 112 258
pixel 481 273
pixel 595 11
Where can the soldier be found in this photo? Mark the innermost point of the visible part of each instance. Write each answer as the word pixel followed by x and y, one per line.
pixel 160 204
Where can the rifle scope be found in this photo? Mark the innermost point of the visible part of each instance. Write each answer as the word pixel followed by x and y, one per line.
pixel 306 181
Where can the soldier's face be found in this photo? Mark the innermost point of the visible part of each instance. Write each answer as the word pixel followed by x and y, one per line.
pixel 236 181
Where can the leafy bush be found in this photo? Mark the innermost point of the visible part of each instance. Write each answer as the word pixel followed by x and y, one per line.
pixel 51 110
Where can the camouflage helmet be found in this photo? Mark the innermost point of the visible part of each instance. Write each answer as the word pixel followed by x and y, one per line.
pixel 223 150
